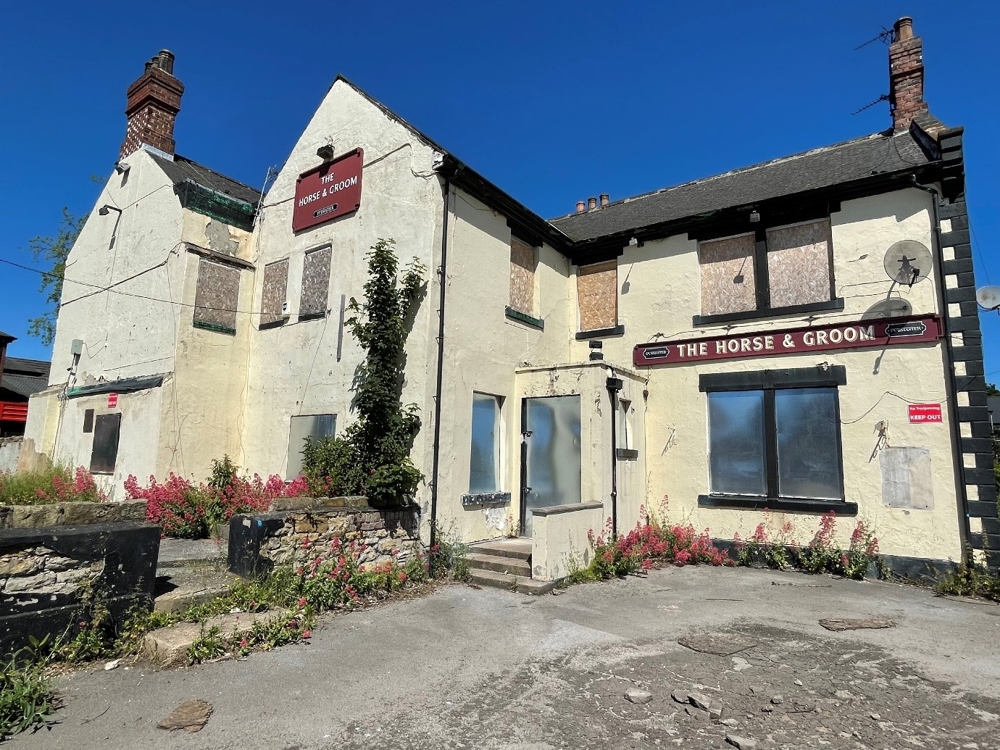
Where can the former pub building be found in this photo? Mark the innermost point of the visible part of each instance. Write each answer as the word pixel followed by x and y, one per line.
pixel 799 336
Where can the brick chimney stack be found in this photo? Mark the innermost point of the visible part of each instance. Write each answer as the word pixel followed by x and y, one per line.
pixel 906 75
pixel 153 103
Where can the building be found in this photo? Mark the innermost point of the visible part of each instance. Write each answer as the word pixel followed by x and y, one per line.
pixel 18 380
pixel 799 335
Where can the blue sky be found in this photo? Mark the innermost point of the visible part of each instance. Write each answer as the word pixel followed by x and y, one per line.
pixel 553 101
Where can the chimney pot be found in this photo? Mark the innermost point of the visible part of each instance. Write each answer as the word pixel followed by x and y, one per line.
pixel 903 28
pixel 605 199
pixel 591 203
pixel 166 58
pixel 581 207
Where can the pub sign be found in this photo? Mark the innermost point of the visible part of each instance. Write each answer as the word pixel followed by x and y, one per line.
pixel 330 190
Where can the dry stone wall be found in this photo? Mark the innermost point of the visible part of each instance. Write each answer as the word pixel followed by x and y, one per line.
pixel 383 535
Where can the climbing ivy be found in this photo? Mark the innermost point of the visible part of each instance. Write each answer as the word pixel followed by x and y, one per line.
pixel 372 457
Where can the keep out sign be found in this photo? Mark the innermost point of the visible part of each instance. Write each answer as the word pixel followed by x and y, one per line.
pixel 866 333
pixel 328 191
pixel 924 413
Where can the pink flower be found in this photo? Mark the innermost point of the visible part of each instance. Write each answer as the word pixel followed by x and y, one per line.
pixel 307 634
pixel 302 602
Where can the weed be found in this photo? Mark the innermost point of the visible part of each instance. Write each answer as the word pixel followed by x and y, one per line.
pixel 26 696
pixel 56 484
pixel 971 579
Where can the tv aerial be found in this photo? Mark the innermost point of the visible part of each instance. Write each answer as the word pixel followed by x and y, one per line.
pixel 908 262
pixel 988 297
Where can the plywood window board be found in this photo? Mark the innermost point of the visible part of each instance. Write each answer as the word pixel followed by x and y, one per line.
pixel 274 294
pixel 728 279
pixel 597 290
pixel 315 283
pixel 523 262
pixel 798 263
pixel 217 296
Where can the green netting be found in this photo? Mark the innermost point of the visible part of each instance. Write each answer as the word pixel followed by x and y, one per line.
pixel 210 203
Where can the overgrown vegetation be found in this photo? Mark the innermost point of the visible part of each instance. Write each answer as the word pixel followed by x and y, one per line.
pixel 780 550
pixel 57 484
pixel 971 579
pixel 372 457
pixel 26 696
pixel 651 543
pixel 195 511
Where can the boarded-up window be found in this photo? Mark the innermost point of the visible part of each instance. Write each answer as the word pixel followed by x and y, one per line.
pixel 105 451
pixel 597 289
pixel 798 263
pixel 315 283
pixel 522 276
pixel 300 430
pixel 88 420
pixel 275 287
pixel 907 481
pixel 217 297
pixel 728 283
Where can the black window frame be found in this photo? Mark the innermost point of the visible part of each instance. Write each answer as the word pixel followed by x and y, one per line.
pixel 761 280
pixel 770 381
pixel 99 421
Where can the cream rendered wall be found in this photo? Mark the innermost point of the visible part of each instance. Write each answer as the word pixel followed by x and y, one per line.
pixel 137 443
pixel 664 294
pixel 293 369
pixel 144 327
pixel 483 348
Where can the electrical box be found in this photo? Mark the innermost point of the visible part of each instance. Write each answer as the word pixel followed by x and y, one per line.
pixel 76 348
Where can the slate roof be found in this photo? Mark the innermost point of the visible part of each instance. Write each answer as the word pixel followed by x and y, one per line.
pixel 181 169
pixel 6 337
pixel 24 376
pixel 820 168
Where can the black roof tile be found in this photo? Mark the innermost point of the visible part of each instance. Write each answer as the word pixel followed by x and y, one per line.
pixel 181 169
pixel 811 170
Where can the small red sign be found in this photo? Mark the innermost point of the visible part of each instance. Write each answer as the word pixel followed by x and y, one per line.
pixel 766 343
pixel 921 413
pixel 112 400
pixel 330 190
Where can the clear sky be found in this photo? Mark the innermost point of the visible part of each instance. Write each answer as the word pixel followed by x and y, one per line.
pixel 552 101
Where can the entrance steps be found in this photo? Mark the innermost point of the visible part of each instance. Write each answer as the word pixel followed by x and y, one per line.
pixel 505 564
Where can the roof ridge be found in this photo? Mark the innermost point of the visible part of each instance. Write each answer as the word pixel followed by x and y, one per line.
pixel 738 170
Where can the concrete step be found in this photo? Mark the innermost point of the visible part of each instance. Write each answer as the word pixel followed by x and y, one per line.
pixel 176 589
pixel 175 553
pixel 507 582
pixel 168 646
pixel 519 549
pixel 499 564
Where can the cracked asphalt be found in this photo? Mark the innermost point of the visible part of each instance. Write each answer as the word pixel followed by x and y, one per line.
pixel 464 667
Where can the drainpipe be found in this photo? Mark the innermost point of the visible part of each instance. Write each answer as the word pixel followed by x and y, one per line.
pixel 956 428
pixel 443 281
pixel 614 385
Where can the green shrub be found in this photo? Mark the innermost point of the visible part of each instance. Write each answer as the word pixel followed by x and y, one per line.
pixel 57 484
pixel 973 579
pixel 26 696
pixel 372 456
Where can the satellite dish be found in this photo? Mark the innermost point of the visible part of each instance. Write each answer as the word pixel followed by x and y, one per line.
pixel 908 262
pixel 888 308
pixel 988 297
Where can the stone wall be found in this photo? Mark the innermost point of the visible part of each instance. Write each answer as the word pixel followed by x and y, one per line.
pixel 47 575
pixel 71 514
pixel 259 542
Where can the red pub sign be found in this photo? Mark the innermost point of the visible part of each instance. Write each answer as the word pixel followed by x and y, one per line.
pixel 330 190
pixel 865 333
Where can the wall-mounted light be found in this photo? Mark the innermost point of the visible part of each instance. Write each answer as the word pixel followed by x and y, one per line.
pixel 754 217
pixel 121 167
pixel 103 210
pixel 325 152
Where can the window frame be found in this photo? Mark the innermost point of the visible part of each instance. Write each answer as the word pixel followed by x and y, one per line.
pixel 498 454
pixel 770 381
pixel 760 258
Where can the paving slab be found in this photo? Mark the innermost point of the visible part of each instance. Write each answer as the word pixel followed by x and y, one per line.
pixel 168 646
pixel 180 552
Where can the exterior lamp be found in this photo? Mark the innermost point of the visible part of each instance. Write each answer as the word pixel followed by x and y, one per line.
pixel 103 210
pixel 754 217
pixel 325 152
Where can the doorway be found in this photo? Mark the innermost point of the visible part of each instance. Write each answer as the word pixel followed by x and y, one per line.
pixel 550 454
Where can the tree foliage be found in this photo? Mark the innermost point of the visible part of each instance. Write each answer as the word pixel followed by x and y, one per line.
pixel 53 251
pixel 372 457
